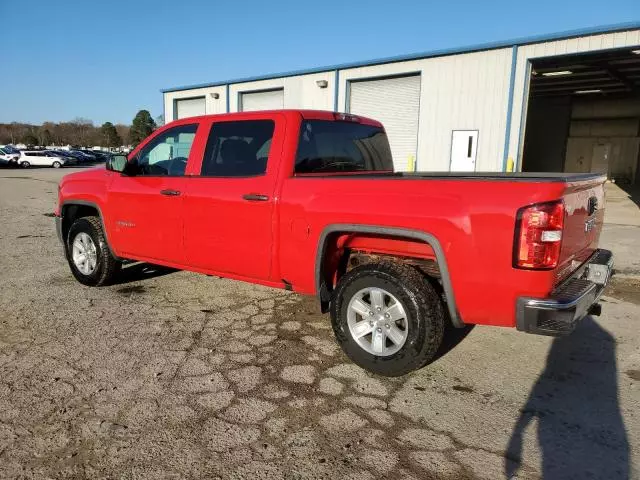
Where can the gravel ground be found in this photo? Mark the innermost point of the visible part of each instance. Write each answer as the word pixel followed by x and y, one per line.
pixel 177 375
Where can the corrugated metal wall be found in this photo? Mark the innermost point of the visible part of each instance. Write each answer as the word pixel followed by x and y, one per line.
pixel 467 91
pixel 464 92
pixel 300 91
pixel 459 92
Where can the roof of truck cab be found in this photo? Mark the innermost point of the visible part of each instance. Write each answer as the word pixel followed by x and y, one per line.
pixel 304 113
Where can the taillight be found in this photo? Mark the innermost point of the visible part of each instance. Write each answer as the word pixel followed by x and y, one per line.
pixel 539 236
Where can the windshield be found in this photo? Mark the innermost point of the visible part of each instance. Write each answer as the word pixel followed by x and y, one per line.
pixel 332 146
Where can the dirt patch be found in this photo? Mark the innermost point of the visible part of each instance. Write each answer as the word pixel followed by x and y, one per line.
pixel 624 288
pixel 131 289
pixel 633 374
pixel 462 388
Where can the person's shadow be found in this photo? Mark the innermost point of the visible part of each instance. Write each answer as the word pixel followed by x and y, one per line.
pixel 575 401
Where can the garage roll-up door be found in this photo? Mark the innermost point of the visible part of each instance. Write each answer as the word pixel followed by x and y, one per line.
pixel 265 100
pixel 190 107
pixel 396 103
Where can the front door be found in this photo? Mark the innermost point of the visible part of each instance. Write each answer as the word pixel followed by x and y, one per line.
pixel 228 207
pixel 146 205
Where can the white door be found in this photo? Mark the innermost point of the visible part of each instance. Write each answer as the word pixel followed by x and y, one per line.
pixel 464 147
pixel 600 158
pixel 190 107
pixel 395 102
pixel 266 100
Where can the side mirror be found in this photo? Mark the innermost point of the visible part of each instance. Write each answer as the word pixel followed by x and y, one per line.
pixel 117 163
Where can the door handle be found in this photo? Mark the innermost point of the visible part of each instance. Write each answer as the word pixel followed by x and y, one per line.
pixel 255 197
pixel 170 193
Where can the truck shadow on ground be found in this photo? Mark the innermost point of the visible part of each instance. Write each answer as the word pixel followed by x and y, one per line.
pixel 581 433
pixel 452 338
pixel 136 272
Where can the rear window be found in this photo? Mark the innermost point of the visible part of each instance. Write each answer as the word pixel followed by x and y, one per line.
pixel 333 146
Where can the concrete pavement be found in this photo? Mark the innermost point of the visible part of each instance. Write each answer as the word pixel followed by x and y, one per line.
pixel 178 375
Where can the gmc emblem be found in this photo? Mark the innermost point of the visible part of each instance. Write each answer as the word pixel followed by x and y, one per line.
pixel 589 224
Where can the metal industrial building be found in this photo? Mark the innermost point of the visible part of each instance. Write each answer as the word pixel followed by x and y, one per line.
pixel 562 102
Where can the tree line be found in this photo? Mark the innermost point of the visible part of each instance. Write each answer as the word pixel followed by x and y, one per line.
pixel 79 132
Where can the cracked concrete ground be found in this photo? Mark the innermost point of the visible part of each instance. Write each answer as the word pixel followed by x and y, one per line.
pixel 179 375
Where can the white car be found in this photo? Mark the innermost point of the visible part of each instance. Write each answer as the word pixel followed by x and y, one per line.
pixel 8 156
pixel 40 159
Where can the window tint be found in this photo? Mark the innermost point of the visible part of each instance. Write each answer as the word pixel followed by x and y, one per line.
pixel 327 146
pixel 167 154
pixel 238 149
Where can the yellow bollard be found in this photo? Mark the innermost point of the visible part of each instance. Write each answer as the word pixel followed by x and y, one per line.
pixel 411 164
pixel 510 164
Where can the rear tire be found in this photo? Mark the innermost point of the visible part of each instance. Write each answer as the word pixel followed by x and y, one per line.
pixel 414 335
pixel 88 254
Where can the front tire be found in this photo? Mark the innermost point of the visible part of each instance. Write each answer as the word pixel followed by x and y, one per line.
pixel 56 164
pixel 25 164
pixel 387 318
pixel 88 254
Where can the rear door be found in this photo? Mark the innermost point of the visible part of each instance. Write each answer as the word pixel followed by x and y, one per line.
pixel 145 209
pixel 37 158
pixel 584 206
pixel 229 203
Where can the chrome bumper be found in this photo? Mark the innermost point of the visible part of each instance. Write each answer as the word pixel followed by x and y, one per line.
pixel 570 302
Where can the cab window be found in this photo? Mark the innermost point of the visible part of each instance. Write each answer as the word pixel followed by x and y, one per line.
pixel 238 149
pixel 167 154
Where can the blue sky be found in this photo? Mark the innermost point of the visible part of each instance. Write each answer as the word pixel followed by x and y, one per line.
pixel 106 60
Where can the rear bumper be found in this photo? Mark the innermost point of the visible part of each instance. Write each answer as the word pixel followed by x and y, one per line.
pixel 570 302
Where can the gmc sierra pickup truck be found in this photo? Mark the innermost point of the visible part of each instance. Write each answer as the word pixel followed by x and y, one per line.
pixel 308 201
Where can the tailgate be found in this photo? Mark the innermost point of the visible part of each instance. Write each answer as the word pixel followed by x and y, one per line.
pixel 584 207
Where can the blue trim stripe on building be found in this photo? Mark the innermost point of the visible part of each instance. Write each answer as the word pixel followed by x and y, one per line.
pixel 434 53
pixel 523 111
pixel 336 90
pixel 512 82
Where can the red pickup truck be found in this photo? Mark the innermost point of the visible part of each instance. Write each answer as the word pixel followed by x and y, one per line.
pixel 308 201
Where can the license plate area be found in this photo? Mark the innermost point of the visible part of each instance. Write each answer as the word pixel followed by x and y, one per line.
pixel 598 274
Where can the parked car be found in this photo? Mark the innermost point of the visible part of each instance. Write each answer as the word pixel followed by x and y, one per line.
pixel 83 156
pixel 70 159
pixel 103 156
pixel 80 158
pixel 308 201
pixel 41 158
pixel 89 154
pixel 100 156
pixel 8 156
